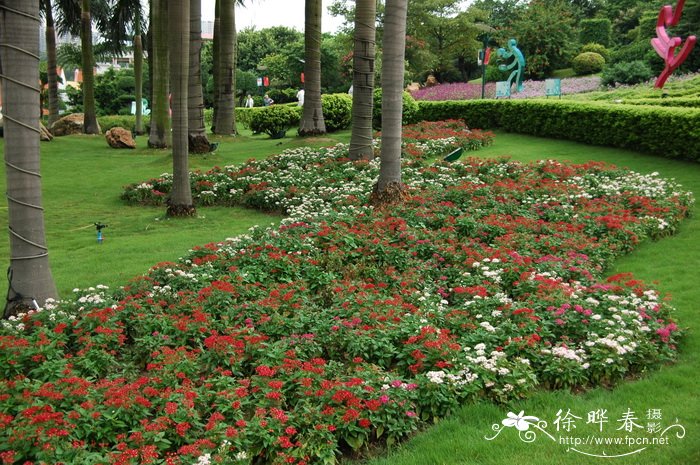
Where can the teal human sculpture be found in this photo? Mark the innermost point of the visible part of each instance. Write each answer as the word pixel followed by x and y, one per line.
pixel 517 65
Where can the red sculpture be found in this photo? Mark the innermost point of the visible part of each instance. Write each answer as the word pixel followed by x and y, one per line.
pixel 666 46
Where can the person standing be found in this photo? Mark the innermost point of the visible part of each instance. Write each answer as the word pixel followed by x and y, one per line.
pixel 267 101
pixel 249 103
pixel 300 97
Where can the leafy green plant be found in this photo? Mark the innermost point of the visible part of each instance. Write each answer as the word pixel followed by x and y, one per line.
pixel 596 30
pixel 337 111
pixel 629 73
pixel 597 48
pixel 588 63
pixel 274 120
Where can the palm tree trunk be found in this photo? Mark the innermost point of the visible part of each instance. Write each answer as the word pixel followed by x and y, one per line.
pixel 312 122
pixel 160 136
pixel 363 80
pixel 216 58
pixel 389 188
pixel 138 76
pixel 224 123
pixel 51 71
pixel 90 125
pixel 197 133
pixel 180 201
pixel 31 282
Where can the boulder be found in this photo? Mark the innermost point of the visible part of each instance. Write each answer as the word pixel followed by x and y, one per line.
pixel 413 87
pixel 431 81
pixel 120 138
pixel 45 134
pixel 68 125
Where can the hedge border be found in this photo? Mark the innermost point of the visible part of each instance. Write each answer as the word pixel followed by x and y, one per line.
pixel 668 132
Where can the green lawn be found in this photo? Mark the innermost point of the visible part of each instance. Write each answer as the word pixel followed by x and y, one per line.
pixel 83 179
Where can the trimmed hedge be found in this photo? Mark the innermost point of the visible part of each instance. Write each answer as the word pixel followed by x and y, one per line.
pixel 670 132
pixel 685 102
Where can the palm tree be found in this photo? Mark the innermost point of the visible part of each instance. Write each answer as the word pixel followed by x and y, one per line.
pixel 90 125
pixel 180 201
pixel 160 136
pixel 51 71
pixel 125 20
pixel 215 58
pixel 197 134
pixel 225 122
pixel 31 282
pixel 363 80
pixel 312 122
pixel 389 187
pixel 76 17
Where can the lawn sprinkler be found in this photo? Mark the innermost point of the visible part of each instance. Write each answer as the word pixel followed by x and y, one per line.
pixel 99 227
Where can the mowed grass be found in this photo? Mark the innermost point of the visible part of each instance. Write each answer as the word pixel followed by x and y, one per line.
pixel 82 179
pixel 82 182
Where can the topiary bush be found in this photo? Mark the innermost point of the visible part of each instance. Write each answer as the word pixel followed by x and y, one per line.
pixel 588 63
pixel 633 72
pixel 337 111
pixel 597 48
pixel 410 110
pixel 274 120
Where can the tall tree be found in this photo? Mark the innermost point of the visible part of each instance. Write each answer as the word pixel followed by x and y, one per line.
pixel 76 18
pixel 160 136
pixel 90 125
pixel 51 68
pixel 216 60
pixel 197 133
pixel 225 122
pixel 125 21
pixel 31 282
pixel 389 188
pixel 180 200
pixel 312 122
pixel 363 81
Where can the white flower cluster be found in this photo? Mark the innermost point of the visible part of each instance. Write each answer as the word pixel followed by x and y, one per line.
pixel 461 378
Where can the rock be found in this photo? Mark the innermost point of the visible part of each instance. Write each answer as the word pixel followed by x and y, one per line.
pixel 412 87
pixel 120 138
pixel 431 81
pixel 68 125
pixel 44 134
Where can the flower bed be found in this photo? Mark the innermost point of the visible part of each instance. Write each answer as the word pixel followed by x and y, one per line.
pixel 303 180
pixel 467 91
pixel 348 326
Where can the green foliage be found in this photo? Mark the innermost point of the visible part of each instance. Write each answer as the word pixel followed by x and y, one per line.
pixel 123 121
pixel 588 63
pixel 288 95
pixel 629 73
pixel 545 35
pixel 669 132
pixel 410 109
pixel 597 30
pixel 597 48
pixel 274 120
pixel 337 111
pixel 494 74
pixel 114 91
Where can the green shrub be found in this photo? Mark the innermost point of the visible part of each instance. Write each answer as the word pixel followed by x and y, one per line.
pixel 410 109
pixel 282 95
pixel 494 74
pixel 598 30
pixel 668 132
pixel 597 48
pixel 337 111
pixel 588 63
pixel 273 120
pixel 629 73
pixel 123 121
